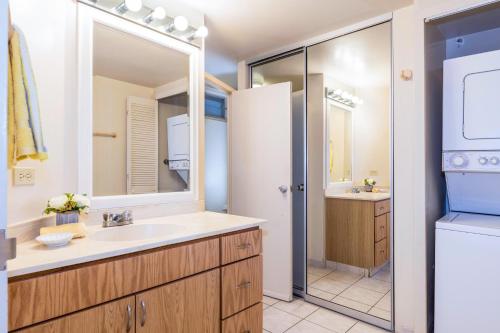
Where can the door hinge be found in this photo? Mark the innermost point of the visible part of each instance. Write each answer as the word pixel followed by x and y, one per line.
pixel 7 249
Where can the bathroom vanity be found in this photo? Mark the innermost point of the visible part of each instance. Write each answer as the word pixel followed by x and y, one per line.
pixel 357 228
pixel 205 276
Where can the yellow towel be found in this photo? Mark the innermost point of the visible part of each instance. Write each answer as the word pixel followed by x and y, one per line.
pixel 25 135
pixel 78 229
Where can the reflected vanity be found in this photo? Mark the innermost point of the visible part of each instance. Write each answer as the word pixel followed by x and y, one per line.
pixel 349 228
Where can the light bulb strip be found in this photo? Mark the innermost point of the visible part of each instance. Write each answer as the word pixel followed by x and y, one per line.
pixel 177 24
pixel 343 97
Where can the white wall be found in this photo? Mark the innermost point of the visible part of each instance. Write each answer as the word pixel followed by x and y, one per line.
pixel 222 66
pixel 110 115
pixel 216 165
pixel 50 29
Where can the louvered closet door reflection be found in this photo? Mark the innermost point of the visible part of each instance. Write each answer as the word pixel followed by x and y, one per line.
pixel 142 145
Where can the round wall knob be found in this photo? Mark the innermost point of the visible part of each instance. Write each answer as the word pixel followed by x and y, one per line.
pixel 495 160
pixel 459 160
pixel 483 160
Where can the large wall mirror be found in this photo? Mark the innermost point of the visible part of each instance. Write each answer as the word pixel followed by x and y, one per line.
pixel 138 95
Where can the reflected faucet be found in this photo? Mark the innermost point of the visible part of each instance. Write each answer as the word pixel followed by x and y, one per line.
pixel 115 219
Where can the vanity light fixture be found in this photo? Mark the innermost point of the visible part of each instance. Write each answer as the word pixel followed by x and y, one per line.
pixel 201 32
pixel 180 23
pixel 158 13
pixel 129 5
pixel 343 97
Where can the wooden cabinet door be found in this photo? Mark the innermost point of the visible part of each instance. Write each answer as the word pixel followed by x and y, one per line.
pixel 113 317
pixel 188 305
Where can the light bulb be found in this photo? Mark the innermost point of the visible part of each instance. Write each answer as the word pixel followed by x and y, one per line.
pixel 133 5
pixel 180 23
pixel 159 13
pixel 201 32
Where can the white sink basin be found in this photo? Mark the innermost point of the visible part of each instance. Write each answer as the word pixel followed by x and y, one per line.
pixel 136 232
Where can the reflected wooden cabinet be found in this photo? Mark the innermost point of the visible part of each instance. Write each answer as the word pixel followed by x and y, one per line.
pixel 176 289
pixel 357 232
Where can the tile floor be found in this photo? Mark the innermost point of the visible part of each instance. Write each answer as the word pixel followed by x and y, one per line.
pixel 370 295
pixel 301 317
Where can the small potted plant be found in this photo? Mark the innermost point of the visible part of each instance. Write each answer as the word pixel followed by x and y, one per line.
pixel 369 183
pixel 67 207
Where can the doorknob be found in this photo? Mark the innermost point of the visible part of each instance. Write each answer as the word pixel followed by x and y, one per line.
pixel 283 188
pixel 300 188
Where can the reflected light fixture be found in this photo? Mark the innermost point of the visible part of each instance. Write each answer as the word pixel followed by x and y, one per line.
pixel 129 5
pixel 343 97
pixel 157 14
pixel 180 23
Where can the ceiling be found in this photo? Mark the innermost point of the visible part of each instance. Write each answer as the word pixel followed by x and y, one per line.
pixel 128 58
pixel 359 59
pixel 245 28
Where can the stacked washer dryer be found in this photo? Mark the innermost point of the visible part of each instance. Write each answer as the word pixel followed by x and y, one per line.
pixel 467 279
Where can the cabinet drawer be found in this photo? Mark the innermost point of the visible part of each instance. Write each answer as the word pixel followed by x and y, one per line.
pixel 380 227
pixel 79 287
pixel 240 246
pixel 117 316
pixel 241 285
pixel 249 321
pixel 380 252
pixel 382 207
pixel 185 306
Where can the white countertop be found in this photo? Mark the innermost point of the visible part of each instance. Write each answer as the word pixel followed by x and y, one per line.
pixel 34 257
pixel 367 196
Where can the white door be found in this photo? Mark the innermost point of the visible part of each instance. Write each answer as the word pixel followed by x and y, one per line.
pixel 260 159
pixel 3 162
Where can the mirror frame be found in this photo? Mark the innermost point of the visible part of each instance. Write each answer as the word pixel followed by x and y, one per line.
pixel 345 184
pixel 87 18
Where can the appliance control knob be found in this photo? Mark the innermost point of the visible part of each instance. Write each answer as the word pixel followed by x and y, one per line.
pixel 495 160
pixel 459 160
pixel 483 160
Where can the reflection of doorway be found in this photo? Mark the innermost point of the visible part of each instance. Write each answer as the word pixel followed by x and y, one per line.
pixel 215 150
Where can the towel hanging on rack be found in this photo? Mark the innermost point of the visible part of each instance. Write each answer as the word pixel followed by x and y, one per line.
pixel 25 131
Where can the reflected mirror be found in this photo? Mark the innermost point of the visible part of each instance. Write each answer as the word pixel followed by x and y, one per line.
pixel 141 115
pixel 349 174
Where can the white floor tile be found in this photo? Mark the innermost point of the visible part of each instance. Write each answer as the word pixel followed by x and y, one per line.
pixel 308 327
pixel 362 295
pixel 383 275
pixel 344 276
pixel 277 321
pixel 297 307
pixel 331 320
pixel 269 300
pixel 320 293
pixel 380 313
pixel 311 278
pixel 365 328
pixel 385 302
pixel 374 284
pixel 351 304
pixel 265 306
pixel 318 271
pixel 330 286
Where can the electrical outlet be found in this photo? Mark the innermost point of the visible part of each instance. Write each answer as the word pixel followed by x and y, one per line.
pixel 24 176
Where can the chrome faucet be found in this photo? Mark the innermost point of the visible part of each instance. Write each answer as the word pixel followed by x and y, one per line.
pixel 115 220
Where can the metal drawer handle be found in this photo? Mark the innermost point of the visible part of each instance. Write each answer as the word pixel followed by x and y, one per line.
pixel 129 318
pixel 244 285
pixel 244 246
pixel 143 317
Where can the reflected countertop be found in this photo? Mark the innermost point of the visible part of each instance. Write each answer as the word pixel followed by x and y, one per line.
pixel 366 196
pixel 33 257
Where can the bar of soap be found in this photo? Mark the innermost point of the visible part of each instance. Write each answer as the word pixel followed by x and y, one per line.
pixel 77 229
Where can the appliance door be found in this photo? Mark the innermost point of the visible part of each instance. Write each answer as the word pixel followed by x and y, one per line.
pixel 466 284
pixel 260 175
pixel 471 102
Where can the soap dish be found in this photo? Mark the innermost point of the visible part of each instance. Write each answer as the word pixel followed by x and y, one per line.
pixel 56 239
